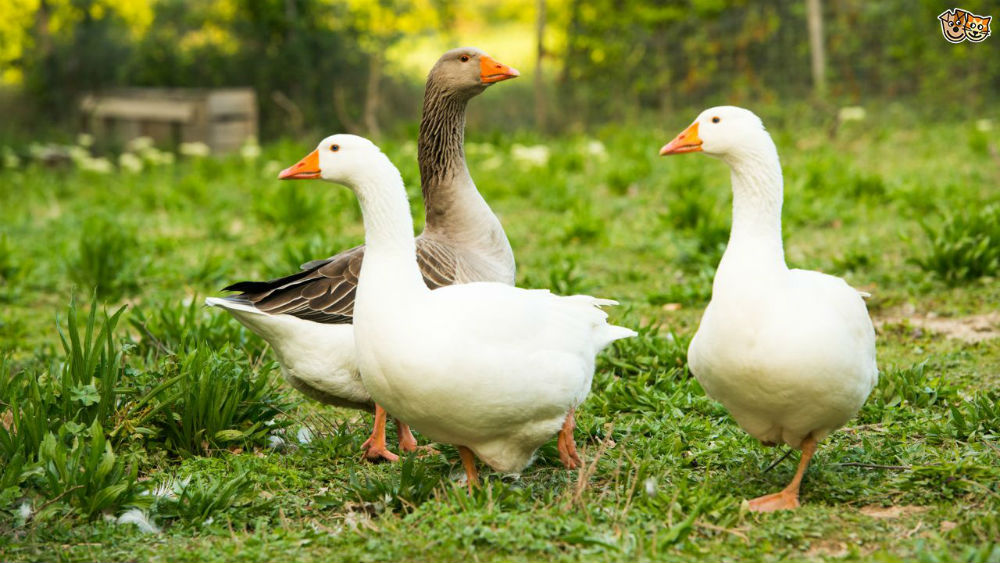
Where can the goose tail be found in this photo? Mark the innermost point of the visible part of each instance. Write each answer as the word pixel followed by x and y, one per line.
pixel 233 304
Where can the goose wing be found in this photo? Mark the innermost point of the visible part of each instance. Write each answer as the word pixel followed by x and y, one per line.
pixel 324 290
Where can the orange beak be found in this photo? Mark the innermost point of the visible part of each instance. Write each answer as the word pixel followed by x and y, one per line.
pixel 687 141
pixel 491 71
pixel 306 169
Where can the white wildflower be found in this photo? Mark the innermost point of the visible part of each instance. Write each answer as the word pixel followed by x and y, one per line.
pixel 480 148
pixel 536 155
pixel 492 163
pixel 650 486
pixel 304 435
pixel 37 151
pixel 156 157
pixel 250 151
pixel 78 155
pixel 275 442
pixel 596 149
pixel 851 113
pixel 47 153
pixel 130 162
pixel 208 521
pixel 984 125
pixel 140 519
pixel 196 149
pixel 85 139
pixel 272 168
pixel 99 165
pixel 169 488
pixel 10 158
pixel 140 144
pixel 24 512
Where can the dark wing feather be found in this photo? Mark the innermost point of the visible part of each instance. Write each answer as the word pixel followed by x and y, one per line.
pixel 437 262
pixel 324 290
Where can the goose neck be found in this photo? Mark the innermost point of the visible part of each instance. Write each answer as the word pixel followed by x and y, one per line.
pixel 757 198
pixel 388 224
pixel 450 197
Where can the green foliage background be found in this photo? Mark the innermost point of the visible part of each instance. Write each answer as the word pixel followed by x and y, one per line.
pixel 604 59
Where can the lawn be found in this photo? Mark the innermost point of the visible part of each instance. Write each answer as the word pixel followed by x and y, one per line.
pixel 177 411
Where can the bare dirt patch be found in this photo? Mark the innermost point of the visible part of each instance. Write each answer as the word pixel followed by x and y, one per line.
pixel 827 548
pixel 891 512
pixel 972 328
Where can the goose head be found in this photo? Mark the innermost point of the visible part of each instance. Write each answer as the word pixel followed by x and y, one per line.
pixel 467 71
pixel 344 159
pixel 725 132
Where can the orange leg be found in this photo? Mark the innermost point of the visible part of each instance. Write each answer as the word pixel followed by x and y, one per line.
pixel 407 443
pixel 374 447
pixel 566 443
pixel 787 498
pixel 469 462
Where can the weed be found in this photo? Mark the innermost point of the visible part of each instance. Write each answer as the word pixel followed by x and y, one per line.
pixel 564 278
pixel 949 479
pixel 704 223
pixel 106 259
pixel 583 225
pixel 900 390
pixel 196 500
pixel 179 327
pixel 965 247
pixel 405 489
pixel 88 385
pixel 86 473
pixel 976 417
pixel 219 402
pixel 852 260
pixel 651 351
pixel 294 208
pixel 9 266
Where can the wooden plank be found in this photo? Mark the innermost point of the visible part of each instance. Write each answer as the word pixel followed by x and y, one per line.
pixel 151 110
pixel 228 136
pixel 231 102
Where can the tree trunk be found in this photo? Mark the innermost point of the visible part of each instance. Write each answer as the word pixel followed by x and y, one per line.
pixel 373 97
pixel 541 109
pixel 291 19
pixel 814 15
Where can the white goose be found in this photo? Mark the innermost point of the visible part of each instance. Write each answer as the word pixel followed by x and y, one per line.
pixel 306 316
pixel 790 353
pixel 490 368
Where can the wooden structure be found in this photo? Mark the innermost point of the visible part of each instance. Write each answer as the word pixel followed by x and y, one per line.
pixel 222 118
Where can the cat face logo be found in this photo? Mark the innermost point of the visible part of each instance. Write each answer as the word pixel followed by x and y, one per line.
pixel 957 25
pixel 977 28
pixel 953 24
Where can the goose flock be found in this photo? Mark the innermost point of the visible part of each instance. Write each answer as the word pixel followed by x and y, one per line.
pixel 432 331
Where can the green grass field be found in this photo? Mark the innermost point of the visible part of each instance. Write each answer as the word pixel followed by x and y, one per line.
pixel 178 411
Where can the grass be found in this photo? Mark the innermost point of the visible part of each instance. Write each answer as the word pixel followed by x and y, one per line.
pixel 141 426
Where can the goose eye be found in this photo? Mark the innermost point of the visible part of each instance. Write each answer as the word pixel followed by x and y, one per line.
pixel 334 148
pixel 716 120
pixel 464 58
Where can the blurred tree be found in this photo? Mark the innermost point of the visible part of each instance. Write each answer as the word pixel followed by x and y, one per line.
pixel 293 52
pixel 321 64
pixel 625 55
pixel 77 46
pixel 540 105
pixel 379 24
pixel 814 14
